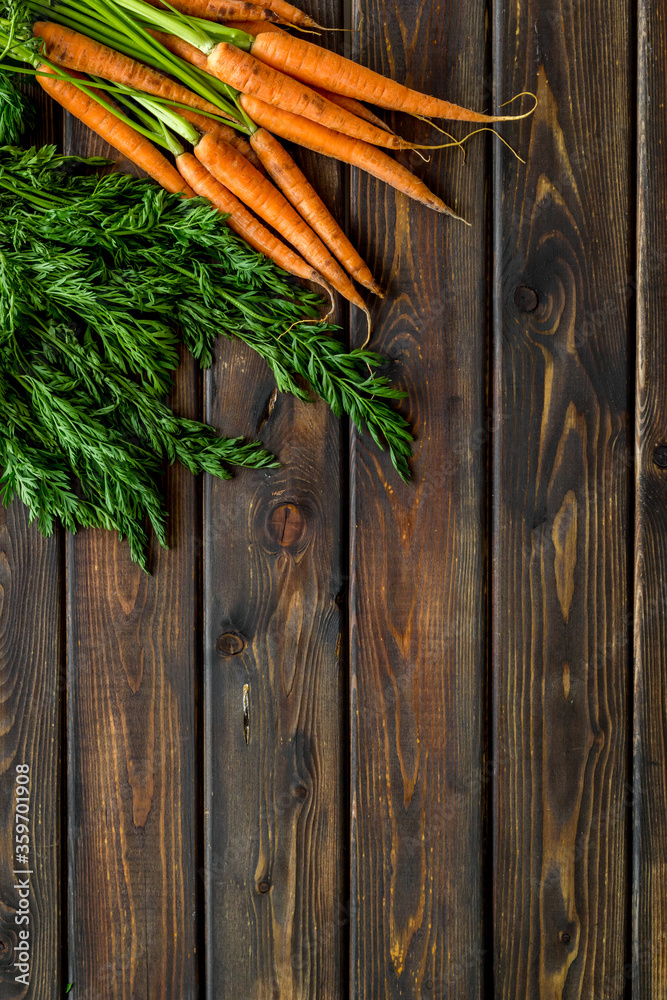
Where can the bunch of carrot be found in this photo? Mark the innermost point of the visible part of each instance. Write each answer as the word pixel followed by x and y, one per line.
pixel 228 80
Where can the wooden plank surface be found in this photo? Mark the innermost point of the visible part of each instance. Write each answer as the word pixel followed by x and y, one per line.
pixel 133 682
pixel 418 582
pixel 649 942
pixel 32 685
pixel 32 666
pixel 275 797
pixel 563 278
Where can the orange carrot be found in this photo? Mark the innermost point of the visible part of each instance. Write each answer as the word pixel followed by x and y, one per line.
pixel 131 144
pixel 242 221
pixel 77 52
pixel 297 189
pixel 220 131
pixel 215 10
pixel 349 103
pixel 354 107
pixel 251 76
pixel 320 68
pixel 258 193
pixel 341 147
pixel 176 45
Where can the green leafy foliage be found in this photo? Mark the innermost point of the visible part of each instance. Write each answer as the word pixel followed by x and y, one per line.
pixel 16 112
pixel 100 277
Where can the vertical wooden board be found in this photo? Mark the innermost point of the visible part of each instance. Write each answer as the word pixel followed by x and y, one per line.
pixel 32 662
pixel 418 581
pixel 563 279
pixel 276 791
pixel 649 965
pixel 132 768
pixel 31 689
pixel 275 845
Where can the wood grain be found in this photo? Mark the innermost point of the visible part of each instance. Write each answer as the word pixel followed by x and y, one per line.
pixel 649 944
pixel 418 592
pixel 276 836
pixel 31 694
pixel 133 681
pixel 563 278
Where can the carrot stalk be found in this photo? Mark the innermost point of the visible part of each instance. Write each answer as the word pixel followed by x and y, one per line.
pixel 242 71
pixel 298 190
pixel 126 140
pixel 319 67
pixel 258 193
pixel 341 147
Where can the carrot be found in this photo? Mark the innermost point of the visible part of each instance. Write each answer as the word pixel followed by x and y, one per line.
pixel 341 147
pixel 349 103
pixel 179 47
pixel 241 70
pixel 297 189
pixel 131 144
pixel 77 52
pixel 233 171
pixel 354 107
pixel 220 131
pixel 214 10
pixel 242 221
pixel 319 67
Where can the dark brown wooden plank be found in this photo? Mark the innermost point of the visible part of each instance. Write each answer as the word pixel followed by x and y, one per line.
pixel 418 583
pixel 562 280
pixel 649 953
pixel 32 663
pixel 276 794
pixel 132 768
pixel 31 691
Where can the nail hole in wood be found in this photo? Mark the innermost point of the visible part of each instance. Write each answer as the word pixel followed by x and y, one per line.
pixel 525 298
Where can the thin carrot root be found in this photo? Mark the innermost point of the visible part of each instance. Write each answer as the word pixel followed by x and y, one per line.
pixel 131 144
pixel 369 329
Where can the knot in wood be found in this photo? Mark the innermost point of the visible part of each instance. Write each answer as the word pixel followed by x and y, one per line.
pixel 286 525
pixel 660 456
pixel 230 644
pixel 263 886
pixel 525 298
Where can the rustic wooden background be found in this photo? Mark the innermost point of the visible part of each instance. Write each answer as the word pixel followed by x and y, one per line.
pixel 448 777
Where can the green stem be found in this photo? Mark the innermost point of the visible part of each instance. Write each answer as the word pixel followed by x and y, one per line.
pixel 194 30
